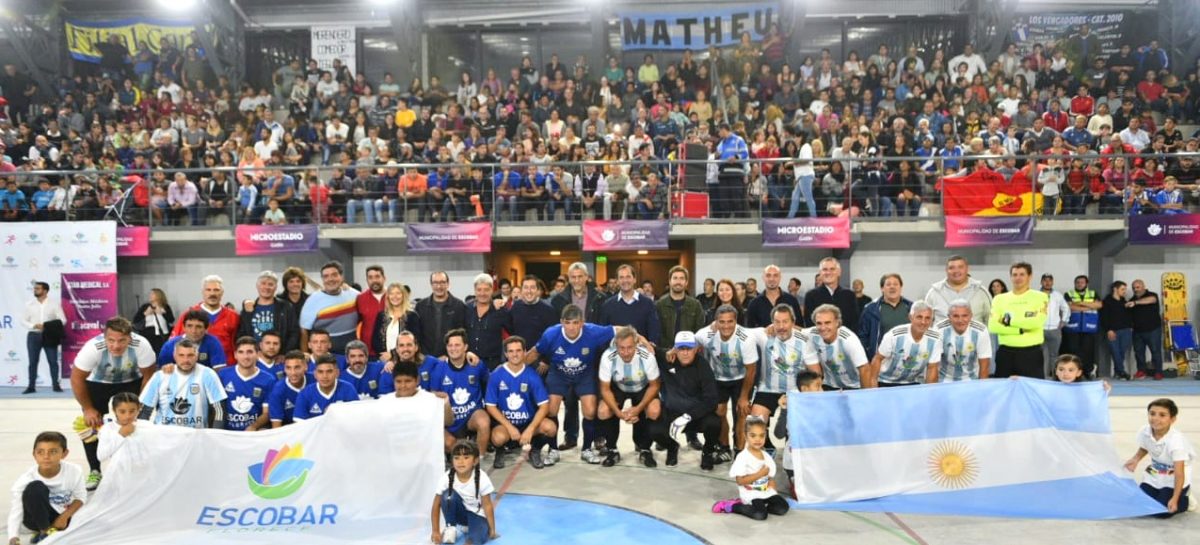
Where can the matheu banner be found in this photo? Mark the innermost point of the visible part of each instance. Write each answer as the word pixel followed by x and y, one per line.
pixel 966 231
pixel 88 301
pixel 695 29
pixel 450 238
pixel 276 239
pixel 625 235
pixel 1178 229
pixel 136 34
pixel 806 232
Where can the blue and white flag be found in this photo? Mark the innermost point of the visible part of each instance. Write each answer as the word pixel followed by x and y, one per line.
pixel 1005 448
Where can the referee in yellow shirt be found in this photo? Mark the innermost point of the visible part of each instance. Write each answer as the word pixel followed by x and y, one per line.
pixel 1017 320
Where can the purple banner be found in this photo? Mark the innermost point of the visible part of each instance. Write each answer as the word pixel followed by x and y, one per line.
pixel 449 238
pixel 963 231
pixel 601 235
pixel 806 233
pixel 133 241
pixel 88 300
pixel 276 239
pixel 1179 229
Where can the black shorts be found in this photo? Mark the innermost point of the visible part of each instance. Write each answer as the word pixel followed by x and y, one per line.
pixel 621 396
pixel 828 388
pixel 895 384
pixel 728 391
pixel 462 433
pixel 767 399
pixel 102 393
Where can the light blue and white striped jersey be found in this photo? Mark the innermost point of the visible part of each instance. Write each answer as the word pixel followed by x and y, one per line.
pixel 961 353
pixel 905 359
pixel 108 369
pixel 630 377
pixel 839 360
pixel 180 399
pixel 781 359
pixel 730 357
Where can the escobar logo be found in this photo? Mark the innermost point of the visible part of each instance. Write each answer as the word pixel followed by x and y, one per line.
pixel 281 474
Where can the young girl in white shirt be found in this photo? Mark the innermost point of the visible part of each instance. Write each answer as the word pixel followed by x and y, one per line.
pixel 754 472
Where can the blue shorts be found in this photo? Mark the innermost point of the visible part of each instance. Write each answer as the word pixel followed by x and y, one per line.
pixel 559 384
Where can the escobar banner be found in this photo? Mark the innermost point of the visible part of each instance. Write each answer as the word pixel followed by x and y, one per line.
pixel 88 300
pixel 42 252
pixel 806 233
pixel 1178 229
pixel 449 238
pixel 275 239
pixel 625 235
pixel 334 42
pixel 133 241
pixel 966 231
pixel 137 35
pixel 314 482
pixel 694 29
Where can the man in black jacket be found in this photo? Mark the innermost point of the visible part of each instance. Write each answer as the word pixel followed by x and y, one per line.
pixel 829 292
pixel 758 312
pixel 689 401
pixel 439 313
pixel 529 316
pixel 268 312
pixel 579 293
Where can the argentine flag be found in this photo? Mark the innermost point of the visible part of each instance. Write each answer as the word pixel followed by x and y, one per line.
pixel 1004 448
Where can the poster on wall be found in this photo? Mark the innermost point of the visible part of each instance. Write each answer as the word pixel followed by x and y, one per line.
pixel 806 232
pixel 1110 29
pixel 695 29
pixel 448 238
pixel 601 235
pixel 88 301
pixel 335 42
pixel 43 252
pixel 1167 229
pixel 136 34
pixel 275 239
pixel 133 241
pixel 967 231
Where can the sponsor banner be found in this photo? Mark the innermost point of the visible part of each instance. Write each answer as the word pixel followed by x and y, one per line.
pixel 88 300
pixel 1180 229
pixel 964 231
pixel 625 235
pixel 806 233
pixel 43 252
pixel 334 42
pixel 695 29
pixel 275 239
pixel 136 34
pixel 450 238
pixel 133 241
pixel 1107 30
pixel 315 482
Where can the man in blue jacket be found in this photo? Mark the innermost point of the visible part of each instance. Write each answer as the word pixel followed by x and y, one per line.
pixel 881 315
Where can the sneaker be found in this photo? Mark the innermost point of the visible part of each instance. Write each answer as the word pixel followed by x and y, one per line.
pixel 725 506
pixel 568 445
pixel 694 444
pixel 1123 376
pixel 450 534
pixel 551 457
pixel 673 457
pixel 590 456
pixel 57 388
pixel 611 458
pixel 725 455
pixel 706 461
pixel 498 463
pixel 647 458
pixel 1158 376
pixel 29 390
pixel 93 479
pixel 1140 375
pixel 535 459
pixel 42 536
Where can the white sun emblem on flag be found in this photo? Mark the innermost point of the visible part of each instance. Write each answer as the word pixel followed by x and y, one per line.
pixel 952 465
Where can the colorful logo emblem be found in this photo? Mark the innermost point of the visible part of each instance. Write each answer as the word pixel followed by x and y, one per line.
pixel 281 473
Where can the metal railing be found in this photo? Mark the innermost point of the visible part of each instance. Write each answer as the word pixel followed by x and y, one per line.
pixel 687 191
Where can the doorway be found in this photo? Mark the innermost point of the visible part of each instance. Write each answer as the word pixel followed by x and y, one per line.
pixel 548 260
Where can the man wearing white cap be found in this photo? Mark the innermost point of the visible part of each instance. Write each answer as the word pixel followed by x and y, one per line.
pixel 689 401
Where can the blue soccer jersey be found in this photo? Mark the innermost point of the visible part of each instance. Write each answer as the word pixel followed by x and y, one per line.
pixel 574 358
pixel 281 404
pixel 273 369
pixel 245 398
pixel 311 402
pixel 465 386
pixel 180 399
pixel 370 384
pixel 211 353
pixel 516 395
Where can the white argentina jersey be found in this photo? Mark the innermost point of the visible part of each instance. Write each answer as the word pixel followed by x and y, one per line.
pixel 106 368
pixel 905 359
pixel 632 376
pixel 781 359
pixel 839 360
pixel 728 357
pixel 961 353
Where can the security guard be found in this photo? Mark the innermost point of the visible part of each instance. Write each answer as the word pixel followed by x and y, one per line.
pixel 1080 333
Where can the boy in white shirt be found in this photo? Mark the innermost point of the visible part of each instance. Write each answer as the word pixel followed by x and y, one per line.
pixel 47 495
pixel 1169 475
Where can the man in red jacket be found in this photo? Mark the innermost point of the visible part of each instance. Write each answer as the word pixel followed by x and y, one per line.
pixel 223 321
pixel 370 303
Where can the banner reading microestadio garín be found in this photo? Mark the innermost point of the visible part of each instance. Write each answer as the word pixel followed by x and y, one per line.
pixel 88 301
pixel 366 473
pixel 1179 229
pixel 964 231
pixel 275 239
pixel 695 28
pixel 625 235
pixel 806 233
pixel 452 237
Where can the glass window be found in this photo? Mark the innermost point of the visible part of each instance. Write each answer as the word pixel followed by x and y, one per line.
pixel 502 51
pixel 452 52
pixel 380 54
